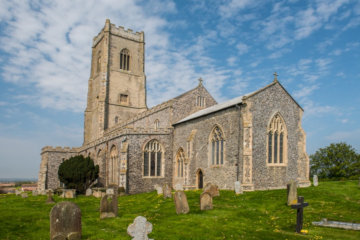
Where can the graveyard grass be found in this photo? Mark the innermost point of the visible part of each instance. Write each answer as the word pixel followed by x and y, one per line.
pixel 252 215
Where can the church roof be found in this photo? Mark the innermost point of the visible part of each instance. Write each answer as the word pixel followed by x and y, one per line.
pixel 230 103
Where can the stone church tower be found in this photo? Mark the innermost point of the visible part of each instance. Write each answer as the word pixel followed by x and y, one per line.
pixel 117 83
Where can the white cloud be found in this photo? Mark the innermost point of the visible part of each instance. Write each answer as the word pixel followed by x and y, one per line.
pixel 231 60
pixel 242 47
pixel 229 9
pixel 305 91
pixel 345 136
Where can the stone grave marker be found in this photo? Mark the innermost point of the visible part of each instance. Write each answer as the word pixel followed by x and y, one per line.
pixel 24 195
pixel 181 203
pixel 300 212
pixel 139 229
pixel 335 224
pixel 69 193
pixel 178 187
pixel 315 180
pixel 167 191
pixel 291 193
pixel 18 192
pixel 238 188
pixel 98 192
pixel 35 193
pixel 50 198
pixel 108 206
pixel 158 189
pixel 88 192
pixel 110 191
pixel 65 221
pixel 206 201
pixel 212 189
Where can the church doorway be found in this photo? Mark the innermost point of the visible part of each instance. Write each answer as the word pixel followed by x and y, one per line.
pixel 200 180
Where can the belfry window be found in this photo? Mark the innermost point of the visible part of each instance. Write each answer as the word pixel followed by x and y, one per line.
pixel 124 59
pixel 276 141
pixel 180 161
pixel 153 155
pixel 200 101
pixel 217 146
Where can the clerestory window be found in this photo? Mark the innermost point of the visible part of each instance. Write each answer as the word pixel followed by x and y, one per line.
pixel 276 141
pixel 124 59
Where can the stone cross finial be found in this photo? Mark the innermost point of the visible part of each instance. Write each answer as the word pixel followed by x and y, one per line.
pixel 275 77
pixel 200 81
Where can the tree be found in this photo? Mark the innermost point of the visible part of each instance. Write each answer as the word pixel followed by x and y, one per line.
pixel 339 160
pixel 78 173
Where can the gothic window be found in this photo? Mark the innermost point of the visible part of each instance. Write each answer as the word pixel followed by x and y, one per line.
pixel 156 124
pixel 113 165
pixel 200 101
pixel 124 59
pixel 276 141
pixel 153 156
pixel 180 161
pixel 217 146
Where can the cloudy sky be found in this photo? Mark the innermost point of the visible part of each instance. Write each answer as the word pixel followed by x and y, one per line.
pixel 235 46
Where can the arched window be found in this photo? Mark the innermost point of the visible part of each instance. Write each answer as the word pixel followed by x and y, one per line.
pixel 156 124
pixel 217 146
pixel 124 59
pixel 276 139
pixel 113 166
pixel 180 160
pixel 153 155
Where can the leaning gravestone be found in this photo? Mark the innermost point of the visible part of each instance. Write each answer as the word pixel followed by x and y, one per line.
pixel 108 206
pixel 315 180
pixel 50 198
pixel 167 191
pixel 206 201
pixel 88 192
pixel 159 189
pixel 181 203
pixel 24 195
pixel 291 193
pixel 212 189
pixel 65 221
pixel 238 188
pixel 139 229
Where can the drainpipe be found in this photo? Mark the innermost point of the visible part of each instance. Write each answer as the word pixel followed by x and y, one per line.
pixel 238 154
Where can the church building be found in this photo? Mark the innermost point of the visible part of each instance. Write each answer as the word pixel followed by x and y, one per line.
pixel 190 140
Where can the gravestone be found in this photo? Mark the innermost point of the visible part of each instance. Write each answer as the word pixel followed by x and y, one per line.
pixel 110 191
pixel 18 192
pixel 291 193
pixel 167 191
pixel 335 224
pixel 178 187
pixel 113 189
pixel 238 188
pixel 158 189
pixel 69 193
pixel 139 229
pixel 206 201
pixel 98 192
pixel 65 221
pixel 24 195
pixel 315 180
pixel 181 203
pixel 108 206
pixel 88 192
pixel 212 189
pixel 35 193
pixel 300 212
pixel 50 198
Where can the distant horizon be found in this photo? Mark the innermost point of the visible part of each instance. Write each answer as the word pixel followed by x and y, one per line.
pixel 15 179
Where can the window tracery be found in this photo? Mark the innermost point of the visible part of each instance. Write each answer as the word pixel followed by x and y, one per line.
pixel 153 159
pixel 217 146
pixel 276 141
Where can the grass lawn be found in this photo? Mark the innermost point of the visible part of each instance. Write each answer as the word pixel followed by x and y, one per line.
pixel 253 215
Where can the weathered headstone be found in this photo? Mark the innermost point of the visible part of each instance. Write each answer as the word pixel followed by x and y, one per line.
pixel 108 206
pixel 158 189
pixel 181 203
pixel 291 193
pixel 139 229
pixel 300 212
pixel 65 221
pixel 50 198
pixel 315 180
pixel 238 188
pixel 24 195
pixel 335 224
pixel 18 192
pixel 35 193
pixel 88 192
pixel 115 189
pixel 206 201
pixel 212 189
pixel 98 192
pixel 178 187
pixel 167 191
pixel 69 193
pixel 110 191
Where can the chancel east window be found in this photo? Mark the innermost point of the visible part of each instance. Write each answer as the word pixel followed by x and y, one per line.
pixel 153 155
pixel 124 59
pixel 217 146
pixel 180 161
pixel 276 139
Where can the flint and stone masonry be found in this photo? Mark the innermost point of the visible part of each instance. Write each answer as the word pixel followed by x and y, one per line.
pixel 189 140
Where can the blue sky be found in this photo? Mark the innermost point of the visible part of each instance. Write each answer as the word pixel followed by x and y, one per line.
pixel 235 46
